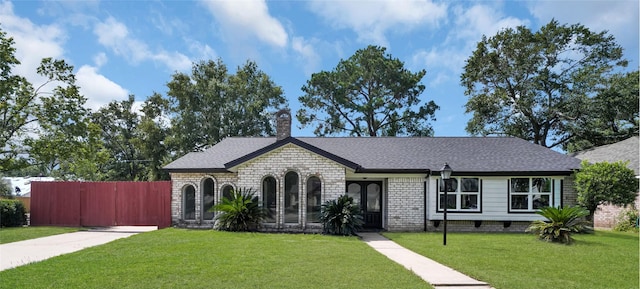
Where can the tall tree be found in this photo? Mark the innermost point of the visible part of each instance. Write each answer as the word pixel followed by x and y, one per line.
pixel 211 104
pixel 46 125
pixel 612 115
pixel 119 123
pixel 537 86
pixel 369 94
pixel 152 132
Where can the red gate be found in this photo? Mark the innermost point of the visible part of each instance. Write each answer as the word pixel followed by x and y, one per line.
pixel 87 204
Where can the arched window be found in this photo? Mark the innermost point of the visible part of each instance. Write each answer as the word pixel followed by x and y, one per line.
pixel 291 196
pixel 269 199
pixel 226 191
pixel 207 198
pixel 189 202
pixel 314 197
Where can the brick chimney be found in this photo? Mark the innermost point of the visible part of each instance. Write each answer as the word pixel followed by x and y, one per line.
pixel 283 124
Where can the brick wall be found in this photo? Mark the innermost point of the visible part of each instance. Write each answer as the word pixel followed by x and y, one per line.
pixel 179 181
pixel 405 204
pixel 291 158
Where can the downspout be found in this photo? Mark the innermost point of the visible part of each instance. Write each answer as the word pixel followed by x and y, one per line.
pixel 426 180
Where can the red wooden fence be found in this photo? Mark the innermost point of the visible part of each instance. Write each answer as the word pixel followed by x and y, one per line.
pixel 100 204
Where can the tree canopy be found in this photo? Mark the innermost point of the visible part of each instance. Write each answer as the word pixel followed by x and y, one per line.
pixel 369 94
pixel 42 126
pixel 605 183
pixel 612 116
pixel 537 85
pixel 211 104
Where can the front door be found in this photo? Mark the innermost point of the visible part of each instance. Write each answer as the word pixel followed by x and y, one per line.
pixel 368 194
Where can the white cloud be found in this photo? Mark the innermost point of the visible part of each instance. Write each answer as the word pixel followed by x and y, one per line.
pixel 308 55
pixel 245 19
pixel 372 19
pixel 100 59
pixel 468 26
pixel 480 20
pixel 98 89
pixel 32 42
pixel 115 35
pixel 201 51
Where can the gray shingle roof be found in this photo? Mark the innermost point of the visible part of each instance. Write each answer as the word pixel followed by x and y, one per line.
pixel 626 150
pixel 464 154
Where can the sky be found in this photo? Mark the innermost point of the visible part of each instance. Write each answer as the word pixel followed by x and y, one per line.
pixel 120 48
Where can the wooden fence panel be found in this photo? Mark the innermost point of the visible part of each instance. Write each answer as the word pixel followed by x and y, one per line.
pixel 101 204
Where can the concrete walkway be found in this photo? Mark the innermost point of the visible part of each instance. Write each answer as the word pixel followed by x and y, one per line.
pixel 24 252
pixel 434 273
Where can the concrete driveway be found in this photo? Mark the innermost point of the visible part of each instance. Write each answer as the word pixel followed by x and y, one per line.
pixel 24 252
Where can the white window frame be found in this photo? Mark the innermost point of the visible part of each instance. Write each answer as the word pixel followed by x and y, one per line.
pixel 531 194
pixel 458 193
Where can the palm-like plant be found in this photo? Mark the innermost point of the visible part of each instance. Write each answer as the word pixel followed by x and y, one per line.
pixel 341 216
pixel 240 212
pixel 561 224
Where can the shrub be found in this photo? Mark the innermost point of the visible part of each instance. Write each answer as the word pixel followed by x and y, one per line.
pixel 240 212
pixel 561 224
pixel 12 213
pixel 341 217
pixel 627 221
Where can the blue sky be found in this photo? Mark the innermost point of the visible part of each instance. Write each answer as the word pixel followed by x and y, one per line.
pixel 133 47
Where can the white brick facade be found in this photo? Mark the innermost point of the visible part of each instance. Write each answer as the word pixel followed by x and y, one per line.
pixel 405 203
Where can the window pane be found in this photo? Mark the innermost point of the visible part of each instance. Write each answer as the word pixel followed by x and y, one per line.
pixel 540 201
pixel 291 197
pixel 189 203
pixel 354 191
pixel 269 199
pixel 207 199
pixel 520 185
pixel 373 198
pixel 469 185
pixel 469 202
pixel 542 185
pixel 519 202
pixel 226 191
pixel 451 201
pixel 314 197
pixel 452 185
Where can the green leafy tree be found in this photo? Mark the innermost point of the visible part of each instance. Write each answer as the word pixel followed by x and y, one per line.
pixel 40 127
pixel 369 94
pixel 537 85
pixel 152 131
pixel 605 183
pixel 613 114
pixel 62 134
pixel 561 224
pixel 5 189
pixel 341 216
pixel 239 213
pixel 119 127
pixel 211 104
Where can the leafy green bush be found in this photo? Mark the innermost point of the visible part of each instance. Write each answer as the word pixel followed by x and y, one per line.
pixel 241 212
pixel 627 221
pixel 341 216
pixel 12 213
pixel 560 224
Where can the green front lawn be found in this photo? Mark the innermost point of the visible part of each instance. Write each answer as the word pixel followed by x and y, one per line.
pixel 14 234
pixel 600 260
pixel 176 258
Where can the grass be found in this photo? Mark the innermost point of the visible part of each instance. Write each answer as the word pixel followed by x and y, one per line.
pixel 601 260
pixel 14 234
pixel 176 258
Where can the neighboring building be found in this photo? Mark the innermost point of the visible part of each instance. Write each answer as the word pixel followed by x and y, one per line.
pixel 499 182
pixel 627 151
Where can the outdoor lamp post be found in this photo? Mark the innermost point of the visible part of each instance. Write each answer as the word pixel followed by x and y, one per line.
pixel 445 173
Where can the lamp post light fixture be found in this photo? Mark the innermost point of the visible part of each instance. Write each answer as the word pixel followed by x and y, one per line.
pixel 445 173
